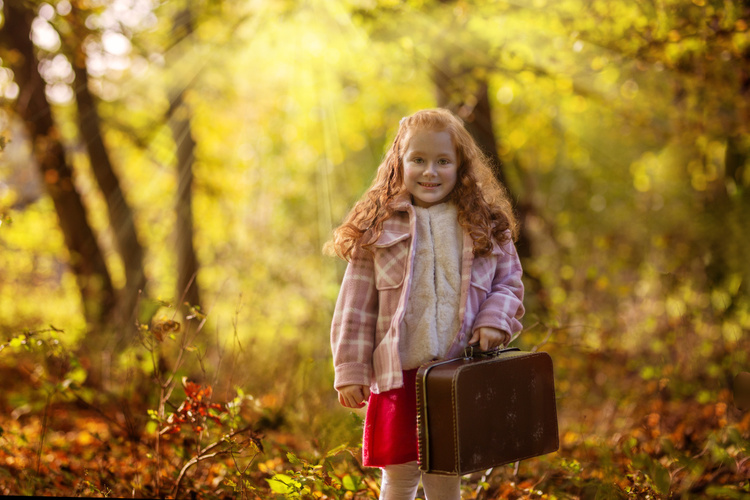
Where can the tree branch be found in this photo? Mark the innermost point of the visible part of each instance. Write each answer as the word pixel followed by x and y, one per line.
pixel 205 455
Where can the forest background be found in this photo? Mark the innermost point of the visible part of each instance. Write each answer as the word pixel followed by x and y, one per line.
pixel 170 171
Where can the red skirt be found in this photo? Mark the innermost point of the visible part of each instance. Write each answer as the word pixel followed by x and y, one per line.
pixel 390 435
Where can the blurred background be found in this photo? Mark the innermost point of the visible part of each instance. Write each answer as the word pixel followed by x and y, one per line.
pixel 185 161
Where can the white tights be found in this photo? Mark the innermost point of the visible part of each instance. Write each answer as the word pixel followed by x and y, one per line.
pixel 400 482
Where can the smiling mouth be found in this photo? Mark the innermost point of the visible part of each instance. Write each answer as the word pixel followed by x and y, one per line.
pixel 428 184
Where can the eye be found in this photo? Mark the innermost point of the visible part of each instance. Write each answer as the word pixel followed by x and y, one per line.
pixel 443 161
pixel 417 160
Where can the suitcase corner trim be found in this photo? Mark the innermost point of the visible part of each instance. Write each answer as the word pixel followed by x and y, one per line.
pixel 423 437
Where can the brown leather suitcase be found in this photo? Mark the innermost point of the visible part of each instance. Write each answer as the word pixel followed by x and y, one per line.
pixel 485 410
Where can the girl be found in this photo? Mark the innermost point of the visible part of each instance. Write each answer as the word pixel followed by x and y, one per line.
pixel 432 268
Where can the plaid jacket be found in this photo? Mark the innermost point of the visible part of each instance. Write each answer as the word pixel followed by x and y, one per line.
pixel 372 301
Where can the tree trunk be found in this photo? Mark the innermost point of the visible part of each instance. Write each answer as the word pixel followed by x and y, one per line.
pixel 476 112
pixel 734 161
pixel 179 122
pixel 475 109
pixel 187 262
pixel 727 252
pixel 120 213
pixel 86 259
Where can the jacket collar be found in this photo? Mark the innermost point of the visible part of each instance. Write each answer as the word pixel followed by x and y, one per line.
pixel 402 201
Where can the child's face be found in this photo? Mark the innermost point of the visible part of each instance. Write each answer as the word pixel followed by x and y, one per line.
pixel 430 167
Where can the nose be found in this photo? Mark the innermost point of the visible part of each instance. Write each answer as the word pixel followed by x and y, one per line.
pixel 430 170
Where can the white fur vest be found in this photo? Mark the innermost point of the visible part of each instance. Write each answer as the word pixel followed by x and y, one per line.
pixel 431 321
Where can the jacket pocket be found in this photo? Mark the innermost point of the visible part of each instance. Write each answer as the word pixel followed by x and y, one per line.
pixel 391 253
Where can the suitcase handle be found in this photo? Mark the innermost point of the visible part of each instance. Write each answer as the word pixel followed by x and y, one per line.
pixel 473 351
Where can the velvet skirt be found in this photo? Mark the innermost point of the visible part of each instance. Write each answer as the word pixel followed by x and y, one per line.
pixel 390 434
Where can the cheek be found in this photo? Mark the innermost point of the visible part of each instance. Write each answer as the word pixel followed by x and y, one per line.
pixel 405 174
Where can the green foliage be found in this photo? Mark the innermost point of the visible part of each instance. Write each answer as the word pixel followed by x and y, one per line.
pixel 307 478
pixel 647 471
pixel 622 128
pixel 637 195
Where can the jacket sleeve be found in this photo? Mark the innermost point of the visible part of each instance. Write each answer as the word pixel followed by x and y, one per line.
pixel 354 322
pixel 503 307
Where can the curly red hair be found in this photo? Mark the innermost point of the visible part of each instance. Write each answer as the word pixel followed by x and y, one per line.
pixel 484 208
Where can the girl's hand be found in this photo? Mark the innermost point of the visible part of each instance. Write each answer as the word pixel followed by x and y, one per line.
pixel 354 396
pixel 489 338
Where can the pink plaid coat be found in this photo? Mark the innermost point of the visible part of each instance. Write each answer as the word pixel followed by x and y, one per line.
pixel 367 321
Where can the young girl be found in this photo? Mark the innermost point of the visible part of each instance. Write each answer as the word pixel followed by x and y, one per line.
pixel 432 268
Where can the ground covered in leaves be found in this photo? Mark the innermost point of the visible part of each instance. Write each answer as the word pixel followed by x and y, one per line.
pixel 632 436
